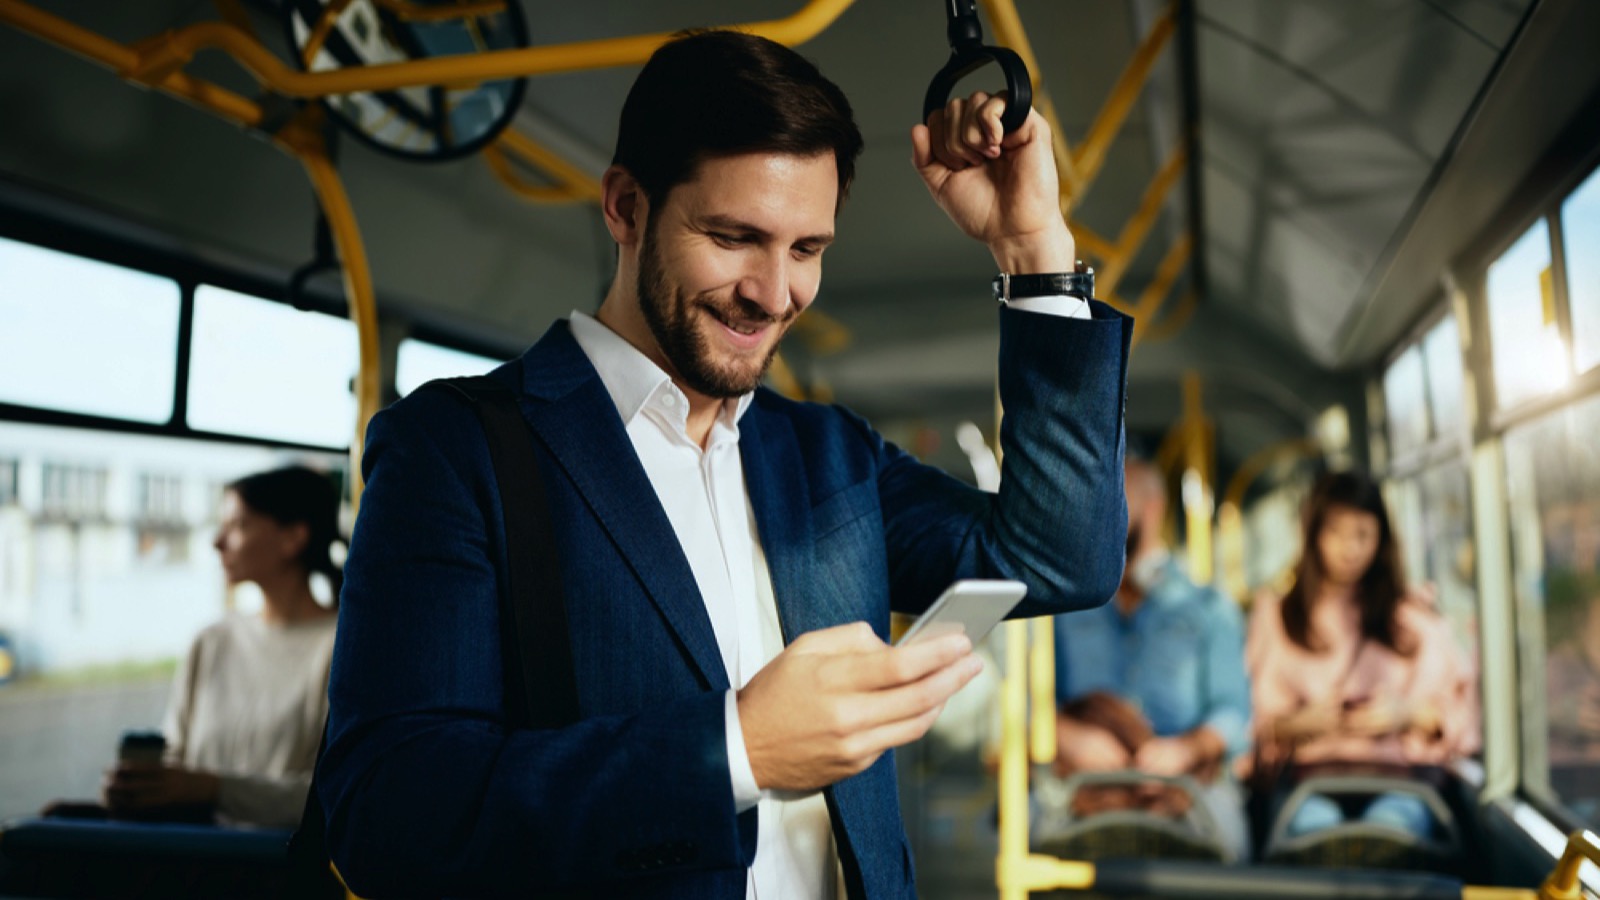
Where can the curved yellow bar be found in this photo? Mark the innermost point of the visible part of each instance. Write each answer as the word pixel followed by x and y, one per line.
pixel 411 12
pixel 1563 882
pixel 1174 321
pixel 1091 154
pixel 163 56
pixel 109 53
pixel 319 32
pixel 577 183
pixel 303 138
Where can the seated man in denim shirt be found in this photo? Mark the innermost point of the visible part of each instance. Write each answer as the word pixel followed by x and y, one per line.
pixel 1175 652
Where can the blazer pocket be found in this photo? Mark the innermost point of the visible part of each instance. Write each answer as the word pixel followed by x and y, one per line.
pixel 844 507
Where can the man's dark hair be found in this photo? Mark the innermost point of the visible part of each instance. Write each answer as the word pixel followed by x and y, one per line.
pixel 708 94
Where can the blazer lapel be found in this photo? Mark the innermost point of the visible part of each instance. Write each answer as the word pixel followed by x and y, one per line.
pixel 774 475
pixel 570 412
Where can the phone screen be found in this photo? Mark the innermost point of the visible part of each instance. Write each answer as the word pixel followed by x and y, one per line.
pixel 972 606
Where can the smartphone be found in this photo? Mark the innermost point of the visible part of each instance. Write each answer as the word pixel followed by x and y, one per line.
pixel 973 606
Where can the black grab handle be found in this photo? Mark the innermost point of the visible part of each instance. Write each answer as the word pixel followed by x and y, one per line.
pixel 968 54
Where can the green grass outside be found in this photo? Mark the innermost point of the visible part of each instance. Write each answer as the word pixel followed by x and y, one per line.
pixel 97 675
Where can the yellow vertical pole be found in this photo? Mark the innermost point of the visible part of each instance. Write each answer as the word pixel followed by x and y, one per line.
pixel 1042 688
pixel 1013 762
pixel 1197 501
pixel 303 138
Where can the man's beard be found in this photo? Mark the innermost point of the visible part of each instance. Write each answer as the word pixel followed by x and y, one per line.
pixel 685 348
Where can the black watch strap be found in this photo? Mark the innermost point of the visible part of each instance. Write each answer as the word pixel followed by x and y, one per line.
pixel 1051 284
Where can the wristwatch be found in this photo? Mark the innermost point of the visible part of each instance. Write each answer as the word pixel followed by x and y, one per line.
pixel 1052 284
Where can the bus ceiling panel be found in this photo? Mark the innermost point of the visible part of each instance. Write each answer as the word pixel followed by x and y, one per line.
pixel 1534 125
pixel 1321 123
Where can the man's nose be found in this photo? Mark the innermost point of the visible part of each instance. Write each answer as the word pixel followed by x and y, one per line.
pixel 767 284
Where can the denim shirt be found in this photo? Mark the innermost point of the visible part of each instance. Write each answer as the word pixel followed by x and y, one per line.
pixel 1179 658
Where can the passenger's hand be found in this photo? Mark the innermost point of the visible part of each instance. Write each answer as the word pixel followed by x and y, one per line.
pixel 1081 747
pixel 834 700
pixel 136 788
pixel 1170 756
pixel 998 188
pixel 1377 715
pixel 1307 722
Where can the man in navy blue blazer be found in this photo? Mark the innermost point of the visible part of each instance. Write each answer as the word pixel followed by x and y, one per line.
pixel 729 558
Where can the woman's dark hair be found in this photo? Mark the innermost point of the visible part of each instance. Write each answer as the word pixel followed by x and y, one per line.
pixel 708 94
pixel 1382 587
pixel 294 495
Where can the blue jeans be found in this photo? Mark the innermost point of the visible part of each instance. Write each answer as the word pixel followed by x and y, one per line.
pixel 1397 809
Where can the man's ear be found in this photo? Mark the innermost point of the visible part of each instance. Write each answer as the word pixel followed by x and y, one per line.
pixel 624 206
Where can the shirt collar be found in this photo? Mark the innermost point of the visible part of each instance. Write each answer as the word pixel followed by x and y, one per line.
pixel 636 383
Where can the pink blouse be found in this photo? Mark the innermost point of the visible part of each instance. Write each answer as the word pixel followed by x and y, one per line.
pixel 1286 677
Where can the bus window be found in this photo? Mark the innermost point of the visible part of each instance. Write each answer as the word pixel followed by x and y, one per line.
pixel 1405 402
pixel 1553 488
pixel 267 370
pixel 1447 551
pixel 106 574
pixel 1441 355
pixel 85 336
pixel 1428 488
pixel 1580 232
pixel 1529 357
pixel 420 362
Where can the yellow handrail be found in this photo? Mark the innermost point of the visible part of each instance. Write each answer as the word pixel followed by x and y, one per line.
pixel 1155 293
pixel 1137 228
pixel 1108 121
pixel 319 31
pixel 115 56
pixel 302 137
pixel 158 62
pixel 166 54
pixel 1563 882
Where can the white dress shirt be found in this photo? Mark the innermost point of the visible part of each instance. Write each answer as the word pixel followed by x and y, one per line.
pixel 703 494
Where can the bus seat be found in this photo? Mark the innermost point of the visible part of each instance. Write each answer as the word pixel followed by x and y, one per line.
pixel 1130 832
pixel 43 857
pixel 1363 844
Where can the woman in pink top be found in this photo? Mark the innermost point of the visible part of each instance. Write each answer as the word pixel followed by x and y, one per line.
pixel 1350 666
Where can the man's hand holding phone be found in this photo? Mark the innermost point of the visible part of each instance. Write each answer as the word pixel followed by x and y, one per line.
pixel 834 700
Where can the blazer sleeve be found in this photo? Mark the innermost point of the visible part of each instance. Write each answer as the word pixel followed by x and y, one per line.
pixel 426 789
pixel 1059 521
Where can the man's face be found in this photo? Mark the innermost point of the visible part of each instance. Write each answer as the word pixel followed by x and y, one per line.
pixel 729 260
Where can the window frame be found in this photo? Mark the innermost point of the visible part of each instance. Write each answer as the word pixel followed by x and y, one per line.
pixel 145 250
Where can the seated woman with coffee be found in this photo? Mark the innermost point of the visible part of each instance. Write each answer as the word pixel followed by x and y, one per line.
pixel 248 706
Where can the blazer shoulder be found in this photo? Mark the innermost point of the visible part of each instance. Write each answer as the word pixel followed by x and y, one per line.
pixel 815 421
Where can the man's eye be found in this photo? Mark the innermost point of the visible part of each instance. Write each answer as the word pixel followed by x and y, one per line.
pixel 729 240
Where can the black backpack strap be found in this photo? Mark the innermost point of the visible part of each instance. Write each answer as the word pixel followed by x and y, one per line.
pixel 540 685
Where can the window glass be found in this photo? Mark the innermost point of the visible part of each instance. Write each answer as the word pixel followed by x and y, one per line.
pixel 1272 537
pixel 1405 403
pixel 1580 231
pixel 1432 516
pixel 1441 354
pixel 1553 487
pixel 1529 356
pixel 1448 557
pixel 84 336
pixel 106 574
pixel 420 362
pixel 268 370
